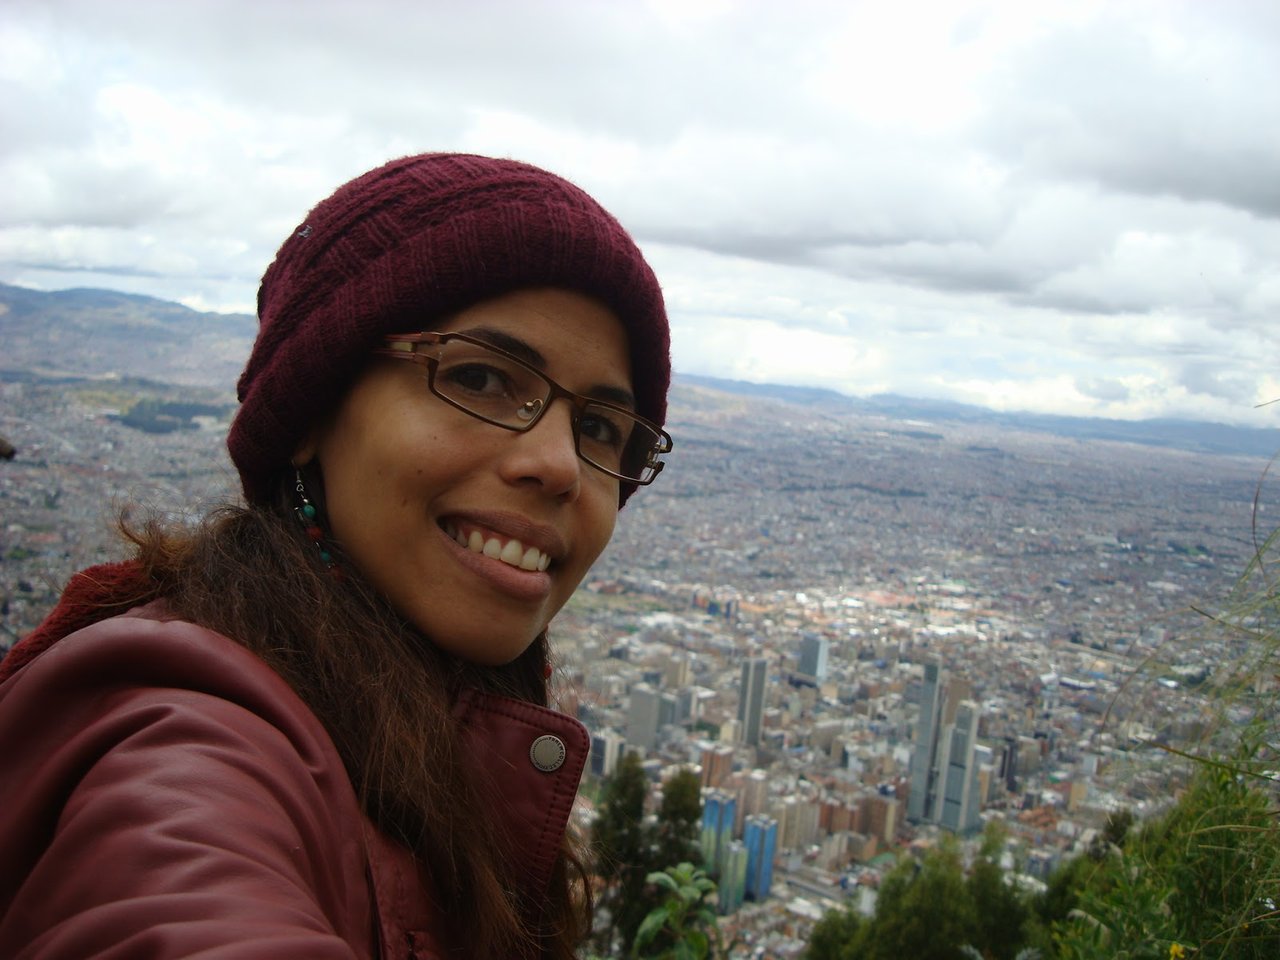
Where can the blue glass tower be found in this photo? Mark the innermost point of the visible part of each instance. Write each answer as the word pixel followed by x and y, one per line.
pixel 719 808
pixel 733 877
pixel 760 835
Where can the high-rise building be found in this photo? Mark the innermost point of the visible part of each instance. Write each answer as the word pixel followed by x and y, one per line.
pixel 753 797
pixel 678 671
pixel 956 806
pixel 787 813
pixel 642 718
pixel 882 816
pixel 755 792
pixel 945 787
pixel 751 699
pixel 807 813
pixel 606 748
pixel 668 709
pixel 733 876
pixel 814 649
pixel 718 810
pixel 922 759
pixel 760 836
pixel 1009 764
pixel 717 764
pixel 686 706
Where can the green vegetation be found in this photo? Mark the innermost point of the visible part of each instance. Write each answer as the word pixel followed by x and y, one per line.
pixel 683 926
pixel 932 908
pixel 589 603
pixel 1203 879
pixel 165 416
pixel 631 848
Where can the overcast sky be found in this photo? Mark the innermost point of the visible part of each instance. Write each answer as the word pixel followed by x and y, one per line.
pixel 1061 207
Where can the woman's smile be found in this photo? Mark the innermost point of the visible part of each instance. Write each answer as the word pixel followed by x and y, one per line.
pixel 510 550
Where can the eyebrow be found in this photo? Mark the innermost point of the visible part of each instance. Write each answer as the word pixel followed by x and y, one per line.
pixel 513 345
pixel 519 348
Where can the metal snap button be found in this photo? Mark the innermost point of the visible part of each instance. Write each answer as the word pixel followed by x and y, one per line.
pixel 547 753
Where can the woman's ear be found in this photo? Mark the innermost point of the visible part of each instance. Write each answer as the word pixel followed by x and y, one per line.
pixel 305 452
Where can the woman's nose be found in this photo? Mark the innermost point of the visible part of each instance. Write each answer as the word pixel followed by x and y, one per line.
pixel 547 454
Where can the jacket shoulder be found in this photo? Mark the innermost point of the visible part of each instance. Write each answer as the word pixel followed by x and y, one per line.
pixel 167 793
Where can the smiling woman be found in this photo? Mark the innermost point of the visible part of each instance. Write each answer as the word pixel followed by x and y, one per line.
pixel 317 724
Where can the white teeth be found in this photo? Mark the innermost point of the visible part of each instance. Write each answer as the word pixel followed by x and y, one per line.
pixel 514 553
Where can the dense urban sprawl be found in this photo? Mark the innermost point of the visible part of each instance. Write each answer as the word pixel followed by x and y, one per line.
pixel 859 630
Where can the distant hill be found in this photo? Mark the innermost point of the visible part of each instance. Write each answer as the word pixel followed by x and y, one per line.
pixel 1191 435
pixel 100 333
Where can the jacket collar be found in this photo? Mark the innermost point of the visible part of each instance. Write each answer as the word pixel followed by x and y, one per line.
pixel 528 761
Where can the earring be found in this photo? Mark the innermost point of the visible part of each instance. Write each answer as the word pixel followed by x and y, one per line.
pixel 309 517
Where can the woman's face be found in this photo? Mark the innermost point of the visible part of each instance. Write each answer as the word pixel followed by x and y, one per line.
pixel 406 476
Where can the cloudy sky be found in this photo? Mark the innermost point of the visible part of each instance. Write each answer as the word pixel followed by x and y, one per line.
pixel 1062 207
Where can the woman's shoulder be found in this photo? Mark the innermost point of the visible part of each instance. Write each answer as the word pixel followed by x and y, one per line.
pixel 149 652
pixel 160 747
pixel 182 683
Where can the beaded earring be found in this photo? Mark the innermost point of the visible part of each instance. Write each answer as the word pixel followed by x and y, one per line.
pixel 309 517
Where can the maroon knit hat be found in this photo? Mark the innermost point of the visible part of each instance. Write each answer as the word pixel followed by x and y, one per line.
pixel 412 241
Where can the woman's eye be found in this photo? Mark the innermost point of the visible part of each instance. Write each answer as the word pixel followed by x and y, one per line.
pixel 609 431
pixel 478 378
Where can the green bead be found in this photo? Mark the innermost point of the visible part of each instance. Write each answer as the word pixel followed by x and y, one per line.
pixel 308 511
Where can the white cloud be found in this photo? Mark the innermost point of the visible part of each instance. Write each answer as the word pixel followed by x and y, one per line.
pixel 1070 206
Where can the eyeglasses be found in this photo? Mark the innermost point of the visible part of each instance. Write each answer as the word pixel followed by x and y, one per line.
pixel 494 386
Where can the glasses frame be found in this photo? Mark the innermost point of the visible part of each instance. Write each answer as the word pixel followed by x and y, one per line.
pixel 413 346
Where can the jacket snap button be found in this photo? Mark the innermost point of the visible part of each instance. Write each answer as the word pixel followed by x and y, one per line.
pixel 547 753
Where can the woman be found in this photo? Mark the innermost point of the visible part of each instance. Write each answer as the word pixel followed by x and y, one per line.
pixel 316 724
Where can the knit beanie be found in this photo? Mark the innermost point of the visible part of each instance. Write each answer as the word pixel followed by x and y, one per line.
pixel 414 241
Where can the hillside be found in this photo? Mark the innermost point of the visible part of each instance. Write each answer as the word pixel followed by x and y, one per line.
pixel 101 333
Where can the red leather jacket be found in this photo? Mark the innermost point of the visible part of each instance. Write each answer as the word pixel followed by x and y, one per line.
pixel 164 793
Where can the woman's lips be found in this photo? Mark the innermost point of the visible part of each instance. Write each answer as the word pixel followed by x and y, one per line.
pixel 508 579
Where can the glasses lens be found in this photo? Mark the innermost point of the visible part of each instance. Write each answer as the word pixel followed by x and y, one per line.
pixel 619 443
pixel 488 384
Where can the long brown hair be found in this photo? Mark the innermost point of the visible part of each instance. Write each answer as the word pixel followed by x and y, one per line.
pixel 384 694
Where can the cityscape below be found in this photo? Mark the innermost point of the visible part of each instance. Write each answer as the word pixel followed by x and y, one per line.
pixel 859 629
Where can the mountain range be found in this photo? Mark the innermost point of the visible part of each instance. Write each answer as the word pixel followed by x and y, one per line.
pixel 86 333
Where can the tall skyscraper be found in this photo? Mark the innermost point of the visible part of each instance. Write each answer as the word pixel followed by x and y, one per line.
pixel 814 649
pixel 760 836
pixel 642 718
pixel 751 699
pixel 718 809
pixel 944 772
pixel 922 759
pixel 956 807
pixel 733 876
